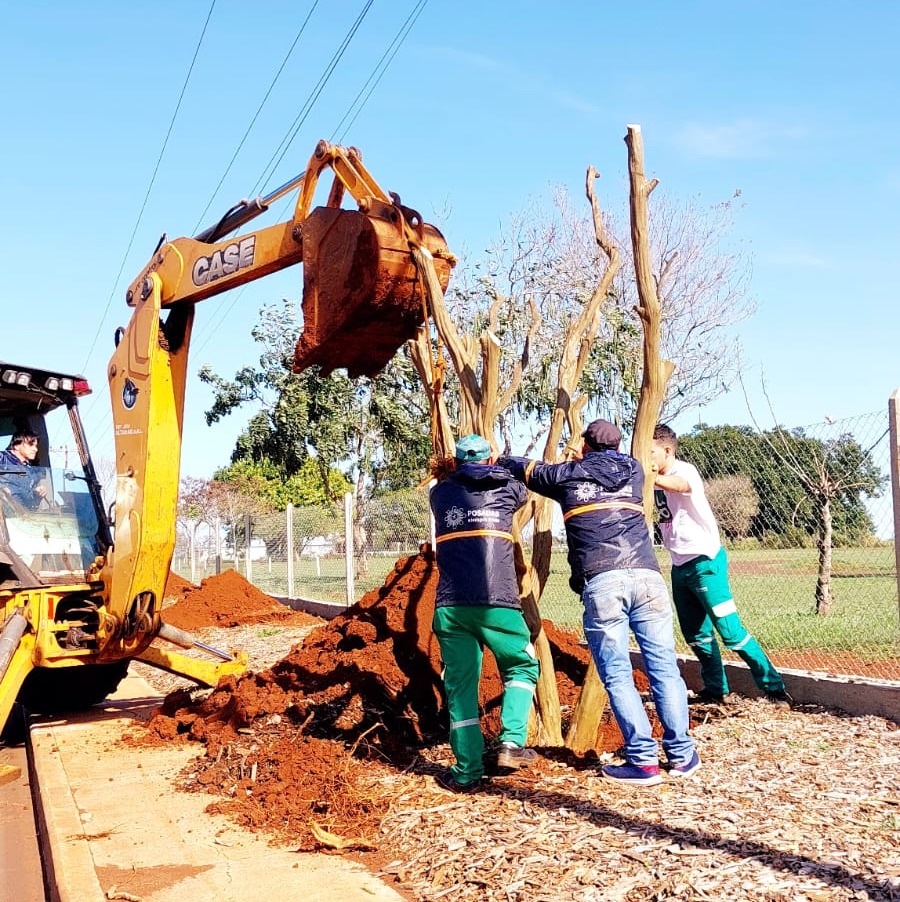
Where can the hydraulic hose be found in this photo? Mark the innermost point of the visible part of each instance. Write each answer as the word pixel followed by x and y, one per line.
pixel 13 630
pixel 186 640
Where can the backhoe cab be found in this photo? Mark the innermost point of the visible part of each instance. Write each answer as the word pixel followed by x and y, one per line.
pixel 81 591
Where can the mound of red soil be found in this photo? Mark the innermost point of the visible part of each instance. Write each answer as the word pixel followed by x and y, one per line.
pixel 281 744
pixel 376 665
pixel 176 587
pixel 224 600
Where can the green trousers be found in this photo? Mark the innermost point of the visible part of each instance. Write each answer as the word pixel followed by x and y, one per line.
pixel 704 603
pixel 462 632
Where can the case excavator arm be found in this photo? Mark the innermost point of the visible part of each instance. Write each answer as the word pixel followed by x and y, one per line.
pixel 361 301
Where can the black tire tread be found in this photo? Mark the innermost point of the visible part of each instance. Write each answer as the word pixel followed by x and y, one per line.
pixel 55 691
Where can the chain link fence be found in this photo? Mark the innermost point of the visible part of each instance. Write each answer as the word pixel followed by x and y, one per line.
pixel 773 494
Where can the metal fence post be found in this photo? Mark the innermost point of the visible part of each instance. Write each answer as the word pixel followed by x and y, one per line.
pixel 248 567
pixel 348 545
pixel 193 554
pixel 894 420
pixel 218 545
pixel 290 550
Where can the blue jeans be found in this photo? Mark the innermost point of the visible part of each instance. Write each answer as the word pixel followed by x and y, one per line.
pixel 615 601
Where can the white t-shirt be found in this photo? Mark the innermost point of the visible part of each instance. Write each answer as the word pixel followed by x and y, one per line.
pixel 687 522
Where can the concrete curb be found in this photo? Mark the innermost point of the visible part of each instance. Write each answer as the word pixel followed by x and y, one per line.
pixel 853 695
pixel 68 863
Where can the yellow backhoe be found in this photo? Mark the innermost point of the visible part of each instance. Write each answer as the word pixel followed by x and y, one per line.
pixel 81 587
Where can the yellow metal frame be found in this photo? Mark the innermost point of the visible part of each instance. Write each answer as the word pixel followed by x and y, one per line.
pixel 147 375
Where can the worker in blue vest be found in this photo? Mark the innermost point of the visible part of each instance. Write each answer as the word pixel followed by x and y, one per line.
pixel 615 571
pixel 477 605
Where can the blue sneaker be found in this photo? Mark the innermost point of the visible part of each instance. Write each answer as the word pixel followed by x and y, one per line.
pixel 685 770
pixel 638 774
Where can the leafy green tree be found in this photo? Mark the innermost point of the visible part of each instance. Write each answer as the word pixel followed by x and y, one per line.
pixel 789 514
pixel 265 480
pixel 375 431
pixel 370 433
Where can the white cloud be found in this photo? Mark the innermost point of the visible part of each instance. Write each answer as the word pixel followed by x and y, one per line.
pixel 742 139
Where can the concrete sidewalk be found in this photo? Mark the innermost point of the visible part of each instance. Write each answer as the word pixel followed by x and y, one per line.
pixel 115 824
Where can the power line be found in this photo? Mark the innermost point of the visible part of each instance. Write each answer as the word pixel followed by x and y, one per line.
pixel 399 38
pixel 308 104
pixel 150 186
pixel 256 114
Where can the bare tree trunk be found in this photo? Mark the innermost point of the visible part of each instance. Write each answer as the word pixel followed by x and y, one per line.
pixel 657 371
pixel 576 349
pixel 431 374
pixel 592 702
pixel 549 723
pixel 656 374
pixel 482 402
pixel 824 598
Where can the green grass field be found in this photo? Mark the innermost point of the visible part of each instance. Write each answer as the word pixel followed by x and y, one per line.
pixel 774 590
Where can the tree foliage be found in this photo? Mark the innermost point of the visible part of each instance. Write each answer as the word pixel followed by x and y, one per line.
pixel 372 432
pixel 788 514
pixel 734 502
pixel 264 480
pixel 547 255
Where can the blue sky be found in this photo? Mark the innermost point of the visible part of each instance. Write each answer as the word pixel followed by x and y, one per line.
pixel 483 108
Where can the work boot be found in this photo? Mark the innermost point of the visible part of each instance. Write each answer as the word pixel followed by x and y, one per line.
pixel 779 698
pixel 448 781
pixel 512 755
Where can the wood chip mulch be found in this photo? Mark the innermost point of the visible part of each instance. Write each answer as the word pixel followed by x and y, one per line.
pixel 792 805
pixel 797 805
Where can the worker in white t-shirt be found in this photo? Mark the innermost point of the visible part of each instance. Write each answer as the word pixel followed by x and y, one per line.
pixel 700 589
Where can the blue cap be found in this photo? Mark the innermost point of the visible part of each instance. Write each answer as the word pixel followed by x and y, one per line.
pixel 473 447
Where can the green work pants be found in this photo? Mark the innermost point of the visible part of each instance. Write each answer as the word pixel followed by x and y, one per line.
pixel 704 603
pixel 462 632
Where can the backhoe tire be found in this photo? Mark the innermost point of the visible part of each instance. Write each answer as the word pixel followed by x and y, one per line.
pixel 16 727
pixel 55 691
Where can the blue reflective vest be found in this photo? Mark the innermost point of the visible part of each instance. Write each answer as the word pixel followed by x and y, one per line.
pixel 601 497
pixel 473 509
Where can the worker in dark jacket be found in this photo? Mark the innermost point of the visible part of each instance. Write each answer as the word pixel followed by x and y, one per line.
pixel 23 480
pixel 614 569
pixel 477 605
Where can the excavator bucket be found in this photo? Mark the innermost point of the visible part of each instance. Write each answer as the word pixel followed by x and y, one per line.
pixel 362 298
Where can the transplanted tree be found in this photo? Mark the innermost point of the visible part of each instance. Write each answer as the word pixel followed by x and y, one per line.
pixel 485 398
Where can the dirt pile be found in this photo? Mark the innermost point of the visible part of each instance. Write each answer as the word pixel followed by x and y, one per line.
pixel 376 666
pixel 316 738
pixel 225 600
